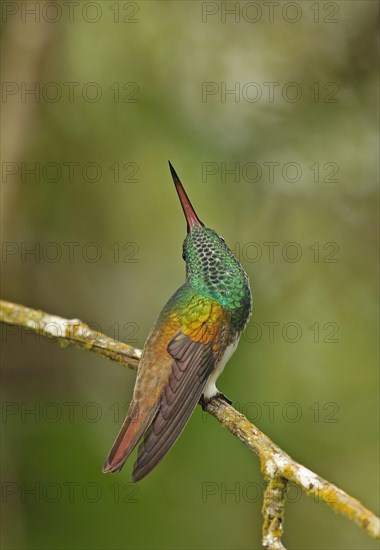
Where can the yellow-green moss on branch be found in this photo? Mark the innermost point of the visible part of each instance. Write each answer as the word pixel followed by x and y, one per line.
pixel 277 466
pixel 69 332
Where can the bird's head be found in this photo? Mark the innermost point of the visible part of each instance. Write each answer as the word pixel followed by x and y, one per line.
pixel 211 267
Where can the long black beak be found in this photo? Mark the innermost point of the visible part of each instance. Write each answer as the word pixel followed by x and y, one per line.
pixel 190 215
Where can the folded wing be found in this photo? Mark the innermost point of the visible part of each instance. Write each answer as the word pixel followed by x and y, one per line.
pixel 193 362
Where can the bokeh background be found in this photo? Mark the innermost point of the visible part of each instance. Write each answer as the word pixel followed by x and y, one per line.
pixel 107 250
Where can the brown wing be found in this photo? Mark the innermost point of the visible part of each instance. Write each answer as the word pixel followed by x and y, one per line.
pixel 192 365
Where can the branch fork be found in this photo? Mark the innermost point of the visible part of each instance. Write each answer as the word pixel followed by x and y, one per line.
pixel 277 466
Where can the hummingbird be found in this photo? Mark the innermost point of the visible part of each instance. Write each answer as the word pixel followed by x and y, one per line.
pixel 188 347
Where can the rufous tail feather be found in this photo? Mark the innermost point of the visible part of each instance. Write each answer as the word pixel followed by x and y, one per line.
pixel 127 439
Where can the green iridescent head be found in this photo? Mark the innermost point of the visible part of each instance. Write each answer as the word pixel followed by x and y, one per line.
pixel 211 267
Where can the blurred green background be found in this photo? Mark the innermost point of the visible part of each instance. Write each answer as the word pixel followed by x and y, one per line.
pixel 148 62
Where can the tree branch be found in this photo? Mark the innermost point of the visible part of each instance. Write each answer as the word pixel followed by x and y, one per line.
pixel 277 466
pixel 273 512
pixel 69 332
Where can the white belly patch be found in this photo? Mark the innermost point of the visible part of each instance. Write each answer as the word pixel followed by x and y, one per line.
pixel 210 389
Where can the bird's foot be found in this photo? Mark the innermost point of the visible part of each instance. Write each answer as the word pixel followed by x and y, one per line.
pixel 221 396
pixel 205 401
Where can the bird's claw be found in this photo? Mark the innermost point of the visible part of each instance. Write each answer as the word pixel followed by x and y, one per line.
pixel 221 396
pixel 204 402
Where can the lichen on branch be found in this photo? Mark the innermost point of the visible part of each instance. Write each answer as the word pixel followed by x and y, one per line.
pixel 277 466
